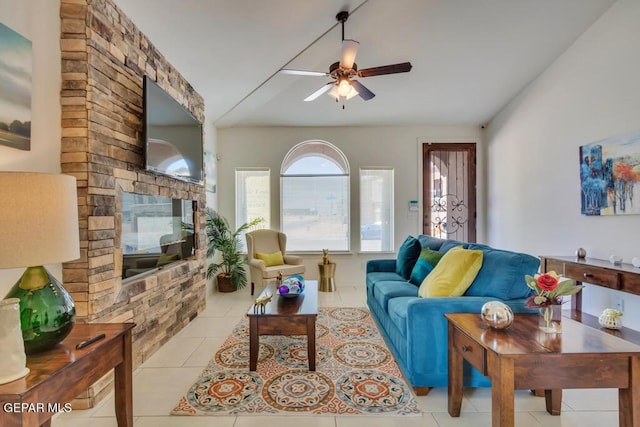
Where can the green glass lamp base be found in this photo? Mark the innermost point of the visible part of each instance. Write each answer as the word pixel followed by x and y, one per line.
pixel 47 312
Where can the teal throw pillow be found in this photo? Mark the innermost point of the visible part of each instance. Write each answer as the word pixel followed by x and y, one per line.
pixel 407 256
pixel 426 262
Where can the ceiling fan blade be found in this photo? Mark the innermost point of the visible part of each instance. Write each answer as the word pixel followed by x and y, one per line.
pixel 320 91
pixel 304 73
pixel 403 67
pixel 349 51
pixel 364 93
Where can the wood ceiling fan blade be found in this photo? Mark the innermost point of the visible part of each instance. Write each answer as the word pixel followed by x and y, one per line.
pixel 403 67
pixel 364 93
pixel 349 52
pixel 303 73
pixel 319 92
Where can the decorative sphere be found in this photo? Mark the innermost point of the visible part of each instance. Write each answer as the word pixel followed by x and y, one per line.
pixel 581 253
pixel 292 286
pixel 496 315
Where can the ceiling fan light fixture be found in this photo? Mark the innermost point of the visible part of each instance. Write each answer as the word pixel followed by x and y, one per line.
pixel 344 87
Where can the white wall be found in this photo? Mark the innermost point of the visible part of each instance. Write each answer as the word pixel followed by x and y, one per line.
pixel 38 21
pixel 397 147
pixel 533 185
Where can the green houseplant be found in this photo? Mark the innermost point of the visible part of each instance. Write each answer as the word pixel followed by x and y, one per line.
pixel 230 272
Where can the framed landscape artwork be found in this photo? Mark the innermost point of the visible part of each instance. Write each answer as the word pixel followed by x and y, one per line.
pixel 15 89
pixel 610 176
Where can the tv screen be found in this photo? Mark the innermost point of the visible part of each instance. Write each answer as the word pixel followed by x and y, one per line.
pixel 173 137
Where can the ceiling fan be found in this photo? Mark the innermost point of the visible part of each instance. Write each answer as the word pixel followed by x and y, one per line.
pixel 344 71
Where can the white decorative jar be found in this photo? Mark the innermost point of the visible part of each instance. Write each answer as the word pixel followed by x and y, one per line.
pixel 13 363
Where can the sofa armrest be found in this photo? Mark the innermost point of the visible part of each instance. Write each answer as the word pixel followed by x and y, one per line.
pixel 292 259
pixel 381 265
pixel 427 327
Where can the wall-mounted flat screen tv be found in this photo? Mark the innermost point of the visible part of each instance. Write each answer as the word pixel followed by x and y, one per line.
pixel 173 137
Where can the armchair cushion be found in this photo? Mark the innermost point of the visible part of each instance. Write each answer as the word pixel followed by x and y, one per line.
pixel 271 259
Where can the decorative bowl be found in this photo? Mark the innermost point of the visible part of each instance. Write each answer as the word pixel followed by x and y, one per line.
pixel 496 315
pixel 291 287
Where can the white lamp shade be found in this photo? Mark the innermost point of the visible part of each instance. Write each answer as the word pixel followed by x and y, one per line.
pixel 38 219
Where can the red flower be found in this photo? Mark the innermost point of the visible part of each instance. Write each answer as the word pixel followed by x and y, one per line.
pixel 547 282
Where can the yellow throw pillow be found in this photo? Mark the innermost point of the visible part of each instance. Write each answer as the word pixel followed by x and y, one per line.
pixel 453 275
pixel 271 259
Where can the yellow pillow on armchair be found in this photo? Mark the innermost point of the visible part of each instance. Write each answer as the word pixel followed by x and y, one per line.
pixel 271 259
pixel 453 275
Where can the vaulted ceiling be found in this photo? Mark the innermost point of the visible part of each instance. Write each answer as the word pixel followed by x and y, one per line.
pixel 470 57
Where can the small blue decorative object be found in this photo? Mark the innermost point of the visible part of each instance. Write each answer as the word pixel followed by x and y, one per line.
pixel 292 286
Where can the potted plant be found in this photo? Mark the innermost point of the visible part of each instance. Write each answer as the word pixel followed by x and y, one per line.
pixel 230 271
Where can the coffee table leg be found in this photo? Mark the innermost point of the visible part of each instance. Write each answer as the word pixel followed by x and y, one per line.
pixel 254 345
pixel 502 386
pixel 628 412
pixel 311 342
pixel 455 378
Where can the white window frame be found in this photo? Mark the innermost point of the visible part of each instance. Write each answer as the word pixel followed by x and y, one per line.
pixel 323 149
pixel 241 198
pixel 367 243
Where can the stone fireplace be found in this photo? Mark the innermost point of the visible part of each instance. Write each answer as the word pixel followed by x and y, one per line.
pixel 104 60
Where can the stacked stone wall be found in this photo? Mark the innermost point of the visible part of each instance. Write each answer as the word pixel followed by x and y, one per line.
pixel 104 60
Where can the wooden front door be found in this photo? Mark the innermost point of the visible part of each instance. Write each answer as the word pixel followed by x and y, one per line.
pixel 449 190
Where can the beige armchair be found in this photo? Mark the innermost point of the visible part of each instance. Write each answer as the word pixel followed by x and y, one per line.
pixel 269 242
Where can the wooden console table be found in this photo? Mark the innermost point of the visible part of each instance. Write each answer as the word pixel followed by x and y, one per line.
pixel 523 357
pixel 58 375
pixel 598 272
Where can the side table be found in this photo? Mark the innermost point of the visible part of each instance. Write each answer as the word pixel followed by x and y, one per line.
pixel 327 281
pixel 60 374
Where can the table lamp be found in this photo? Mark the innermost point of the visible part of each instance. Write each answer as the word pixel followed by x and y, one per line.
pixel 39 225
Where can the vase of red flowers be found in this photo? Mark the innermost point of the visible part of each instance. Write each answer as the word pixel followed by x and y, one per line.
pixel 549 290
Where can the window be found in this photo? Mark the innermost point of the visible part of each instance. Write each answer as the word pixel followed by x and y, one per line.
pixel 315 197
pixel 376 210
pixel 253 198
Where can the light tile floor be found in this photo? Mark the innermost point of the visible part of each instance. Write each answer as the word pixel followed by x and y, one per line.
pixel 161 380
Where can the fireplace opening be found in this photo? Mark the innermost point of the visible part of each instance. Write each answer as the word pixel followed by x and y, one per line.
pixel 155 231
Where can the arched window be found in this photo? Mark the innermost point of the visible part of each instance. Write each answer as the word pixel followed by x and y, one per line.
pixel 314 197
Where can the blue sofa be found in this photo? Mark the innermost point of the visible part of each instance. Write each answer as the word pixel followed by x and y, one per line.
pixel 415 328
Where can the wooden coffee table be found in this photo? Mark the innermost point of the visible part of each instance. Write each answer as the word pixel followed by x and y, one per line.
pixel 285 316
pixel 523 357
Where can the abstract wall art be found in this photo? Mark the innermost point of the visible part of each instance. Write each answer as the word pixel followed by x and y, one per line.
pixel 15 89
pixel 610 176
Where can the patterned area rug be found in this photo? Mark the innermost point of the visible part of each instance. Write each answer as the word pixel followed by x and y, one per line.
pixel 356 373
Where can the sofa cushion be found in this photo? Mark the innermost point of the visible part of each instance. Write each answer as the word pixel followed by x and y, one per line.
pixel 407 256
pixel 385 291
pixel 450 244
pixel 386 276
pixel 271 259
pixel 453 274
pixel 430 242
pixel 502 274
pixel 398 309
pixel 427 260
